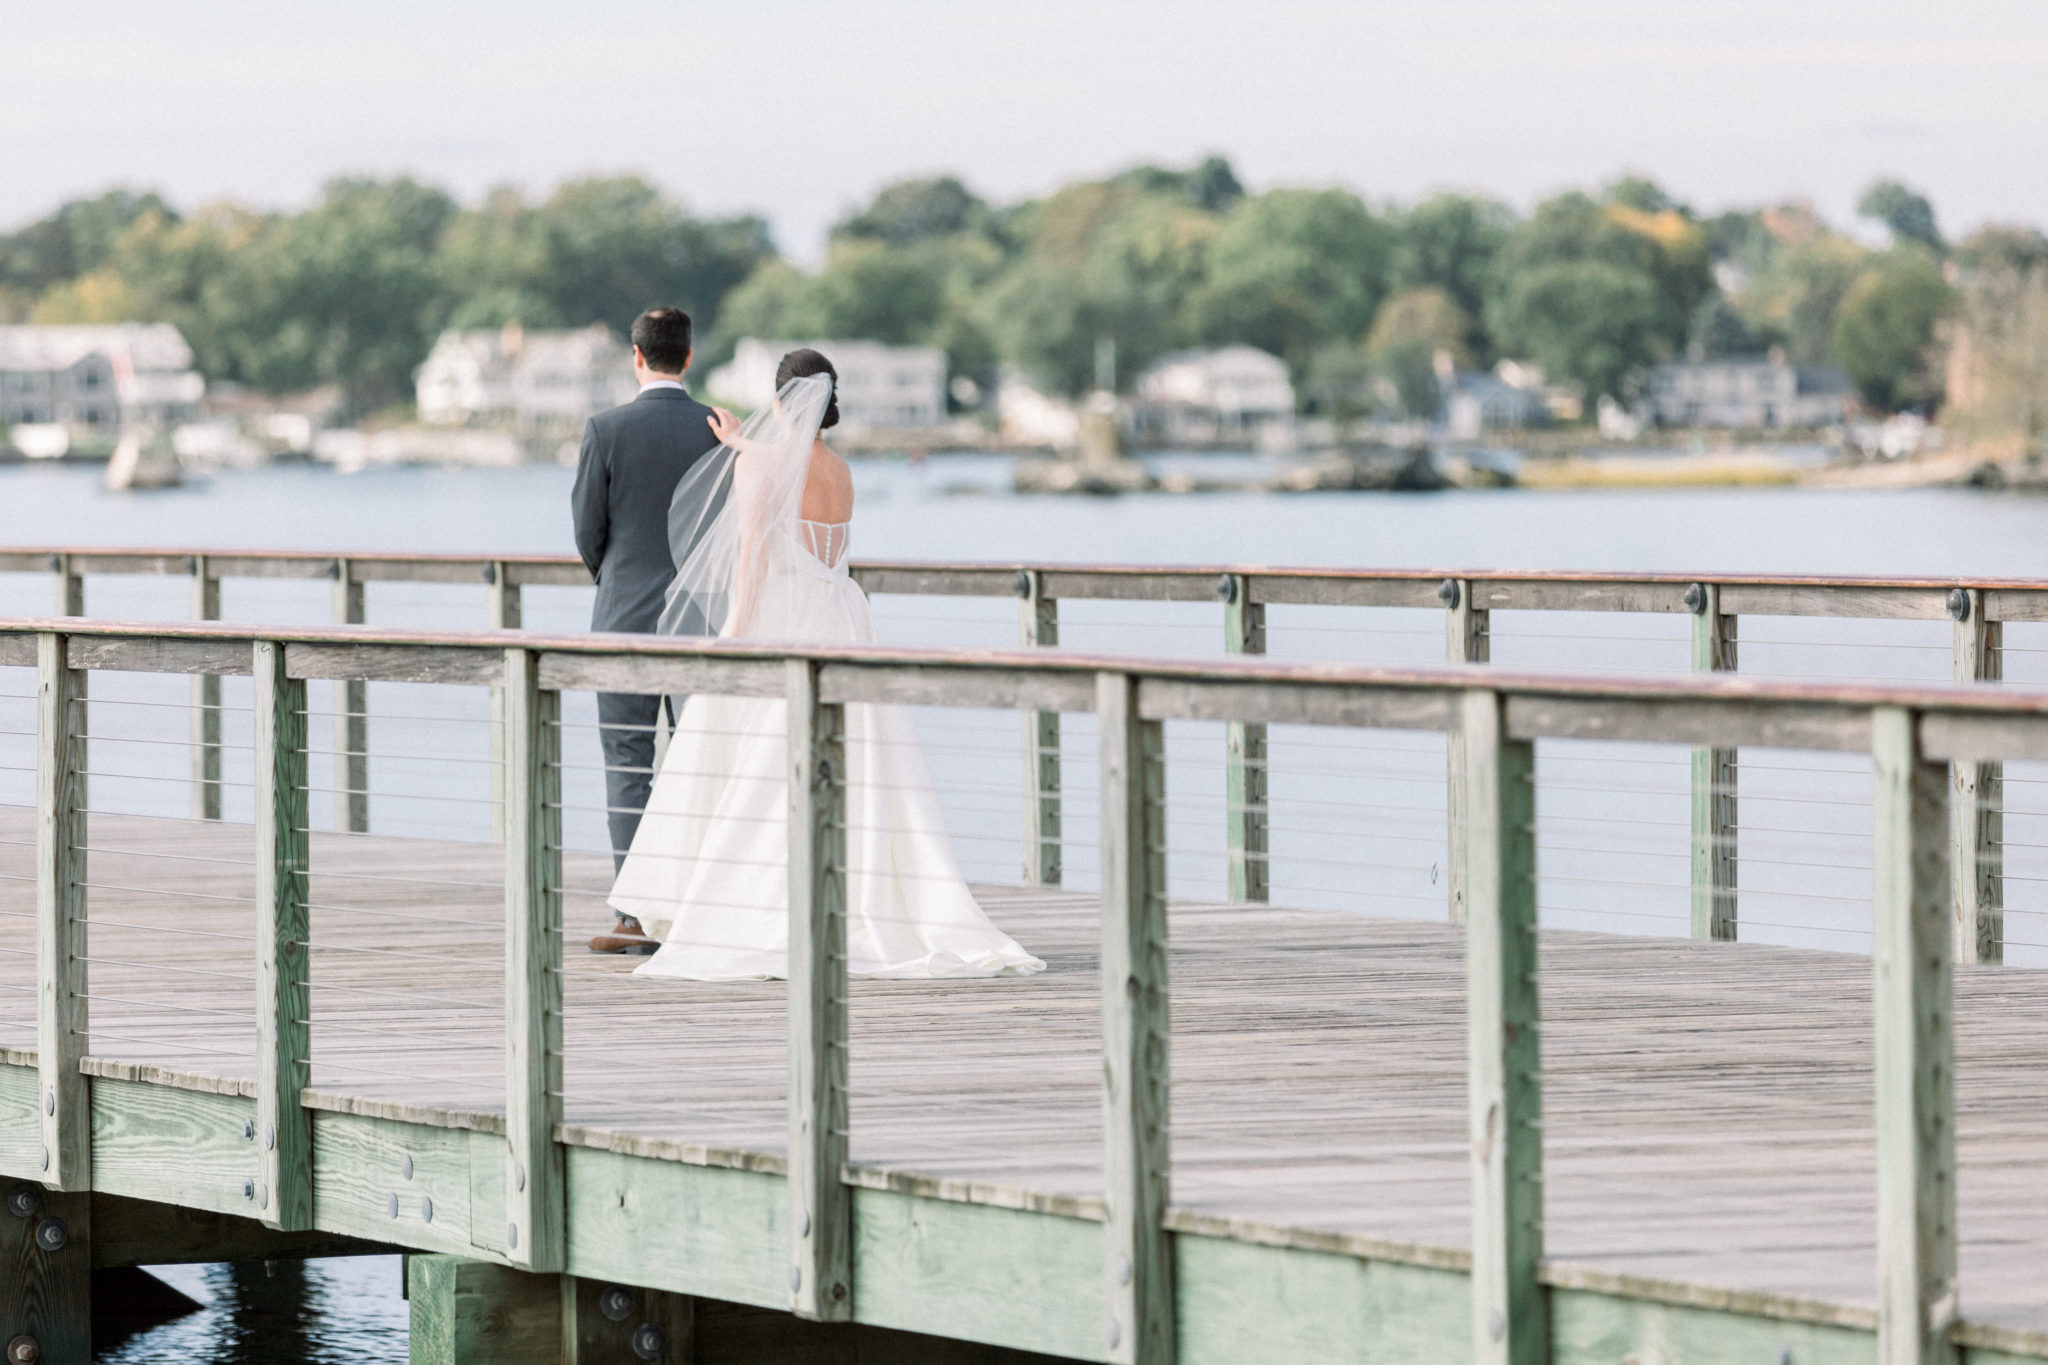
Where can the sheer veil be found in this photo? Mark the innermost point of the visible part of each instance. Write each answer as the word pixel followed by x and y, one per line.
pixel 732 524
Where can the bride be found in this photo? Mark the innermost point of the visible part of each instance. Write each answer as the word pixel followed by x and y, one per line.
pixel 760 527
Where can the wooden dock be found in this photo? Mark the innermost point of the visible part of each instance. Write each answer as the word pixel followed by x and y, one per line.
pixel 1208 1133
pixel 1707 1108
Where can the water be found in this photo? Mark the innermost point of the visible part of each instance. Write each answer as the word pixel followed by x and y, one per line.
pixel 958 508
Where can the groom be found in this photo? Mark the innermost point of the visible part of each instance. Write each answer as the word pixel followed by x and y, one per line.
pixel 633 457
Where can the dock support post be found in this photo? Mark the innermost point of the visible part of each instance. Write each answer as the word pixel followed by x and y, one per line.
pixel 1041 629
pixel 62 1014
pixel 1468 639
pixel 351 718
pixel 206 786
pixel 1713 781
pixel 1503 1013
pixel 1915 1056
pixel 820 1205
pixel 465 1312
pixel 46 1278
pixel 534 1194
pixel 1244 772
pixel 504 612
pixel 1977 810
pixel 284 1128
pixel 609 1324
pixel 1136 1080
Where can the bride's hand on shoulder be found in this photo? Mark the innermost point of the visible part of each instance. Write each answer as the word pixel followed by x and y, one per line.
pixel 723 425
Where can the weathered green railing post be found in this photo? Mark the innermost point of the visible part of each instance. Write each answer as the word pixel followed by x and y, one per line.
pixel 503 612
pixel 1247 820
pixel 1915 1057
pixel 351 718
pixel 1977 803
pixel 284 1190
pixel 1136 1079
pixel 1503 1014
pixel 1040 618
pixel 71 602
pixel 205 703
pixel 534 1197
pixel 1713 780
pixel 1468 639
pixel 820 1204
pixel 62 1014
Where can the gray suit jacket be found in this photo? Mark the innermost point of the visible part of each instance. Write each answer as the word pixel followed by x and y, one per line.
pixel 633 457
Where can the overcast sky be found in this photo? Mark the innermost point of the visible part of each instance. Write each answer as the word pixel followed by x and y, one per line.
pixel 799 109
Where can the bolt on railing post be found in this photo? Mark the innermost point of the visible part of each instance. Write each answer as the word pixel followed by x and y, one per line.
pixel 62 1014
pixel 351 718
pixel 1468 639
pixel 206 788
pixel 820 1204
pixel 1503 1021
pixel 534 1194
pixel 503 611
pixel 1714 807
pixel 1915 1052
pixel 284 1188
pixel 1246 819
pixel 1977 803
pixel 1136 1076
pixel 1040 618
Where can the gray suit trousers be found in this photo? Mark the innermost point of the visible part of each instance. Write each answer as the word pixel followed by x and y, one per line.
pixel 626 730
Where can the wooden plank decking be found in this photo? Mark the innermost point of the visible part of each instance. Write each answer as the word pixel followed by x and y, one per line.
pixel 1708 1106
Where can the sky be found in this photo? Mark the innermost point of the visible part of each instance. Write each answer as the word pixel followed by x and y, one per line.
pixel 800 109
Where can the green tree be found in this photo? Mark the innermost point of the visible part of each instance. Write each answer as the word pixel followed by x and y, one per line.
pixel 1292 270
pixel 1906 212
pixel 1449 242
pixel 1101 259
pixel 76 240
pixel 615 247
pixel 1884 330
pixel 1592 323
pixel 1577 257
pixel 347 292
pixel 1413 328
pixel 1210 185
pixel 912 211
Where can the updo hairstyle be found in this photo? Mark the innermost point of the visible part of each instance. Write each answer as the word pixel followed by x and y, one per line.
pixel 801 364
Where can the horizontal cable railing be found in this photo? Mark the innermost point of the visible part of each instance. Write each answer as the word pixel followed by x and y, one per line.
pixel 1976 611
pixel 1928 747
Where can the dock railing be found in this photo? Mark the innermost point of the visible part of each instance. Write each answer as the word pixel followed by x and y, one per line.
pixel 1977 609
pixel 1912 735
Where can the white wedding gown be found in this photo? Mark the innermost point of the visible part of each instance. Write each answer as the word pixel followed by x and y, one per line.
pixel 708 870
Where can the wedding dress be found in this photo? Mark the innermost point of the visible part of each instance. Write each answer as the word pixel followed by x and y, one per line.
pixel 708 870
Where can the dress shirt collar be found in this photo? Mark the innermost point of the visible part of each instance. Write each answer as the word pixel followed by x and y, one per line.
pixel 675 384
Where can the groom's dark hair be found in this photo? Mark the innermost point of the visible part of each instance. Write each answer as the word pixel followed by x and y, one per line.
pixel 663 336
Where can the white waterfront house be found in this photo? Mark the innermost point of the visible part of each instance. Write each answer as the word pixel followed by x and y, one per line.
pixel 508 376
pixel 880 386
pixel 72 381
pixel 1747 394
pixel 1232 394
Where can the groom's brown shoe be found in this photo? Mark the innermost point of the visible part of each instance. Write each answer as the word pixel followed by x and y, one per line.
pixel 626 937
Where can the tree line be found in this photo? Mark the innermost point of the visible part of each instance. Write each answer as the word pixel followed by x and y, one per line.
pixel 1363 302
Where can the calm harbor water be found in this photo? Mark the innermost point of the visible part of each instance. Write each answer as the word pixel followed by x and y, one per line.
pixel 958 508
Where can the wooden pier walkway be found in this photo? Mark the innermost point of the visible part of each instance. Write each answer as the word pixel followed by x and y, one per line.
pixel 1208 1133
pixel 1708 1108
